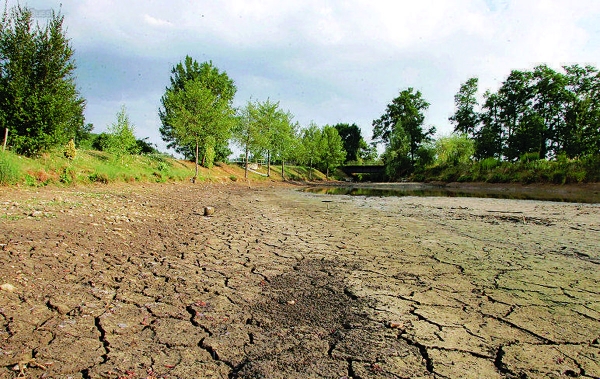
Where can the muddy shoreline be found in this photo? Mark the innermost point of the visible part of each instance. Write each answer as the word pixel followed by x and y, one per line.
pixel 584 192
pixel 134 282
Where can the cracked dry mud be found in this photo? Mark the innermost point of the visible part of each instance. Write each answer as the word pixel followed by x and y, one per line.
pixel 134 282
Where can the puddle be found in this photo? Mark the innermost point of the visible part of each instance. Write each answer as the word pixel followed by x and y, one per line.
pixel 422 190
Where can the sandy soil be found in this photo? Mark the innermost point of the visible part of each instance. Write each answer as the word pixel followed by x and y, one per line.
pixel 134 282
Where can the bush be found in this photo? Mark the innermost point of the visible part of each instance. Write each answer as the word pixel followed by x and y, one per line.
pixel 489 163
pixel 70 151
pixel 99 178
pixel 530 157
pixel 9 170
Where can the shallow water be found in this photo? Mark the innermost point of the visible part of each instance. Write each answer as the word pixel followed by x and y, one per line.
pixel 422 190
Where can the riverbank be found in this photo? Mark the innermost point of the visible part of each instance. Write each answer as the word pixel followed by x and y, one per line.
pixel 575 193
pixel 133 281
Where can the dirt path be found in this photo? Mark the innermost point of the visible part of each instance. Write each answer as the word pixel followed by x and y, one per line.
pixel 134 282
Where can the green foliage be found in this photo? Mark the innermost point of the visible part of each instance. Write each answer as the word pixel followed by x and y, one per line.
pixel 541 111
pixel 70 151
pixel 400 128
pixel 198 101
pixel 9 169
pixel 196 110
pixel 454 149
pixel 396 155
pixel 120 139
pixel 465 118
pixel 39 102
pixel 530 157
pixel 489 163
pixel 332 149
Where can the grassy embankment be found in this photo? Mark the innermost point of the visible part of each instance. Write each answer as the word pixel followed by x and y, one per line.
pixel 525 171
pixel 100 167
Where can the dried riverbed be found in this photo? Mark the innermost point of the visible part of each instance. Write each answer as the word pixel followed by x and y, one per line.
pixel 134 282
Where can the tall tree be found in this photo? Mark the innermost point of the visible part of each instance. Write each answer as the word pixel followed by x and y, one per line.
pixel 248 133
pixel 404 113
pixel 488 139
pixel 39 101
pixel 332 149
pixel 351 137
pixel 550 106
pixel 196 110
pixel 310 139
pixel 581 133
pixel 220 86
pixel 276 128
pixel 465 118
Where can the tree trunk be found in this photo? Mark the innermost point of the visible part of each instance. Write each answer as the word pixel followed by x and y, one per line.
pixel 268 163
pixel 5 139
pixel 282 169
pixel 246 164
pixel 327 173
pixel 196 174
pixel 310 170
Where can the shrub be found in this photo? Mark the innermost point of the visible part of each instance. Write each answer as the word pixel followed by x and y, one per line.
pixel 530 157
pixel 70 151
pixel 489 163
pixel 99 178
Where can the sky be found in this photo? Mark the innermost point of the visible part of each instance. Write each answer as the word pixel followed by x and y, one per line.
pixel 326 62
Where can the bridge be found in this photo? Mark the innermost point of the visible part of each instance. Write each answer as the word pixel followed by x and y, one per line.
pixel 367 169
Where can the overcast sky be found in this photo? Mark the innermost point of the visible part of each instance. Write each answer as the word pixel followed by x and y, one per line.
pixel 324 61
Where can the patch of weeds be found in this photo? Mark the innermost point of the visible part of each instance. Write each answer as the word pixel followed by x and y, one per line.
pixel 68 175
pixel 11 217
pixel 99 178
pixel 9 171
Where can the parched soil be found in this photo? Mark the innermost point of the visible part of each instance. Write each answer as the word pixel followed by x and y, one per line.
pixel 135 282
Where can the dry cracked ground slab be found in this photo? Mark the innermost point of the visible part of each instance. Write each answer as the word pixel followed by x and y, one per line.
pixel 135 282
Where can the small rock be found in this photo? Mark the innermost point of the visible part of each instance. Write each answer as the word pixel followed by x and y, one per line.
pixel 7 287
pixel 208 211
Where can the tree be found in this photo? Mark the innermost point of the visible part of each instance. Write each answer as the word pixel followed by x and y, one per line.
pixel 550 105
pixel 248 133
pixel 310 139
pixel 465 118
pixel 581 133
pixel 196 110
pixel 198 118
pixel 454 149
pixel 405 113
pixel 351 137
pixel 276 128
pixel 488 140
pixel 332 149
pixel 121 138
pixel 39 101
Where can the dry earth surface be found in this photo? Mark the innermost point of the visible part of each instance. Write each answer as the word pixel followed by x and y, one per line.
pixel 135 282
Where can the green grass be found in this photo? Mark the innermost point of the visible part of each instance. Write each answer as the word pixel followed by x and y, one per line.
pixel 527 170
pixel 90 167
pixel 97 167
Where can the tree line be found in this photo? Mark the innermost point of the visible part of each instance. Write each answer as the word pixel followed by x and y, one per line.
pixel 198 121
pixel 539 114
